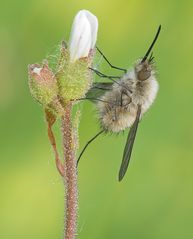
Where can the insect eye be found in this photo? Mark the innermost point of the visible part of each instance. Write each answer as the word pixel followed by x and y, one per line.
pixel 144 73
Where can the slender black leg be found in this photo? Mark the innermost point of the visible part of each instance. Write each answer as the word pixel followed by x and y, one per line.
pixel 108 77
pixel 103 75
pixel 115 67
pixel 87 144
pixel 121 99
pixel 95 99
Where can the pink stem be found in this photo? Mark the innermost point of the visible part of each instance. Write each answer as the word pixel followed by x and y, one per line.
pixel 70 176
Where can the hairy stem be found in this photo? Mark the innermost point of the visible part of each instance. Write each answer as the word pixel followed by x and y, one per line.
pixel 70 175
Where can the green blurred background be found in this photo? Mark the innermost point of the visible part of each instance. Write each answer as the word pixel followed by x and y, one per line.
pixel 155 199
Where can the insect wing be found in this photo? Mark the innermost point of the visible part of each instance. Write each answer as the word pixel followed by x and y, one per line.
pixel 98 90
pixel 129 146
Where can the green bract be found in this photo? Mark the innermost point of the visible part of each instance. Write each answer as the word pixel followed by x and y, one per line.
pixel 74 78
pixel 43 84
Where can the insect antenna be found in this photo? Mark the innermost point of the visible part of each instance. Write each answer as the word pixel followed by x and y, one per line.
pixel 115 67
pixel 152 44
pixel 87 144
pixel 151 57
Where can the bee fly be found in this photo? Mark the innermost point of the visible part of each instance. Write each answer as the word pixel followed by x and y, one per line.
pixel 122 102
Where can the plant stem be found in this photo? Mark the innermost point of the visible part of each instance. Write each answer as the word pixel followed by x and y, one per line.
pixel 70 175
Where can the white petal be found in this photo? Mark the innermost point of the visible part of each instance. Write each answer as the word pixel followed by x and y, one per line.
pixel 80 40
pixel 94 26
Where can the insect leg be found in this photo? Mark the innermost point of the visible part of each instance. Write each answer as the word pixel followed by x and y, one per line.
pixel 87 144
pixel 103 75
pixel 115 115
pixel 115 67
pixel 92 98
pixel 109 77
pixel 121 98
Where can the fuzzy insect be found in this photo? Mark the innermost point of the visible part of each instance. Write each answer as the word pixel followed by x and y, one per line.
pixel 122 103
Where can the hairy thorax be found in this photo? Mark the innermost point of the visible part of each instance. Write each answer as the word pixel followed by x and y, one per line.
pixel 118 107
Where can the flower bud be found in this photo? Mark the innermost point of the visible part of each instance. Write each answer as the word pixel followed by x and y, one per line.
pixel 74 77
pixel 83 35
pixel 93 25
pixel 43 84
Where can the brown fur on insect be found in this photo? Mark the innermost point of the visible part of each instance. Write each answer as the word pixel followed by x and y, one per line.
pixel 118 108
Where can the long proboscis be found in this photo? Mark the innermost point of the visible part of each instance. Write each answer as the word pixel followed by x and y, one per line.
pixel 152 44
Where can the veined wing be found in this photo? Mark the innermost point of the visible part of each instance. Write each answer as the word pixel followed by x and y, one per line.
pixel 98 89
pixel 129 145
